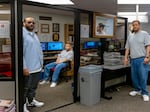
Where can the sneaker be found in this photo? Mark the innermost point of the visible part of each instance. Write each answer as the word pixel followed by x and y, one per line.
pixel 35 103
pixel 145 98
pixel 43 82
pixel 25 108
pixel 53 84
pixel 134 93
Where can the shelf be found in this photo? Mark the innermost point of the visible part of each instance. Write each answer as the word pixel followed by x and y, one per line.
pixel 69 33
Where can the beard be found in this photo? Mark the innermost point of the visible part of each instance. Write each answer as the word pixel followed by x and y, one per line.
pixel 29 28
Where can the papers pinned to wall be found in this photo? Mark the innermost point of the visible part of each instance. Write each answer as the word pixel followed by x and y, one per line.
pixel 6 48
pixel 84 31
pixel 4 29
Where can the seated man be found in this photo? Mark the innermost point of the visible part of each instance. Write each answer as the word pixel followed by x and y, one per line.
pixel 59 64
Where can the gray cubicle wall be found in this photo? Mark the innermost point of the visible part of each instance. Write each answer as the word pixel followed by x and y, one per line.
pixel 7 90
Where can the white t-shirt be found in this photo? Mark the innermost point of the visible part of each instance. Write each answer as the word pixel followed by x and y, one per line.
pixel 66 55
pixel 137 42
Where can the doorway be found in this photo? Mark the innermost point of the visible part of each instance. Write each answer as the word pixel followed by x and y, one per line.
pixel 49 22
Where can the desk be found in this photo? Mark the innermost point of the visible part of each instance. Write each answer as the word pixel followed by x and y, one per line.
pixel 112 72
pixel 50 58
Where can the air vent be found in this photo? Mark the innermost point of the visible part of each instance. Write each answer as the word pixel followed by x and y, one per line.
pixel 45 18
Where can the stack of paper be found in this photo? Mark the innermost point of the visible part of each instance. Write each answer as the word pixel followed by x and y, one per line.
pixel 113 58
pixel 7 106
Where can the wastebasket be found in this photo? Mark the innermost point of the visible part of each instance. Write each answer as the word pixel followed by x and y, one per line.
pixel 90 84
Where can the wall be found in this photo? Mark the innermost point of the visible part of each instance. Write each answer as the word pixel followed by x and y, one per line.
pixel 146 27
pixel 60 19
pixel 7 90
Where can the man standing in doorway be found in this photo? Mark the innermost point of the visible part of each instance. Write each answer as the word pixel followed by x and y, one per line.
pixel 32 63
pixel 138 45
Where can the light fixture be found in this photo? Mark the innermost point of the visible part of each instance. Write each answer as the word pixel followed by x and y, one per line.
pixel 133 1
pixel 54 2
pixel 131 13
pixel 141 16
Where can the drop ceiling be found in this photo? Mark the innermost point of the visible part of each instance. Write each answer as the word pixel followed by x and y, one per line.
pixel 104 6
pixel 132 8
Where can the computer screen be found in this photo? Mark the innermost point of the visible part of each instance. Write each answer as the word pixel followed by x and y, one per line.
pixel 44 46
pixel 55 46
pixel 90 45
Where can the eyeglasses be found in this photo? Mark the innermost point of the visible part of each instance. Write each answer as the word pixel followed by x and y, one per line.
pixel 29 22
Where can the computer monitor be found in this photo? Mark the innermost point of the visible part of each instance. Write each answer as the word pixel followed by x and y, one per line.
pixel 55 46
pixel 44 46
pixel 90 45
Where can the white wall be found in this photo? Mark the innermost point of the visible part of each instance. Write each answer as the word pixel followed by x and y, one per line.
pixel 146 27
pixel 60 19
pixel 7 90
pixel 120 32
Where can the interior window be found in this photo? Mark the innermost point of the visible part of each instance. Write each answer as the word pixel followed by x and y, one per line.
pixel 5 42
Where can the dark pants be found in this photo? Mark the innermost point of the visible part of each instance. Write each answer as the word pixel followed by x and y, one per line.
pixel 30 86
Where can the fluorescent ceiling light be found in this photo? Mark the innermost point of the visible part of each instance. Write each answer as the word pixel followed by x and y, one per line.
pixel 54 2
pixel 141 16
pixel 4 11
pixel 133 1
pixel 131 13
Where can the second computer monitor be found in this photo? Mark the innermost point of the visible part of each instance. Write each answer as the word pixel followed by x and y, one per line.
pixel 55 46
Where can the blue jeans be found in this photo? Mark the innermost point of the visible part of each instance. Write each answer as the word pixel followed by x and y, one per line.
pixel 58 68
pixel 139 75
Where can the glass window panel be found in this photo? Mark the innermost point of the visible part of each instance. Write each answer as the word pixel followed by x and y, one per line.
pixel 5 42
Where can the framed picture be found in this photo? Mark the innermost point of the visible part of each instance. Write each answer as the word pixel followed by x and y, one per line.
pixel 55 27
pixel 44 28
pixel 104 25
pixel 55 37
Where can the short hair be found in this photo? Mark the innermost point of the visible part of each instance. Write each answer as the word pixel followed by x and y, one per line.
pixel 68 42
pixel 101 25
pixel 24 20
pixel 136 21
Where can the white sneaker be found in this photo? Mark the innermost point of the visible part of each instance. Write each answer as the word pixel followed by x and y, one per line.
pixel 53 84
pixel 25 108
pixel 134 93
pixel 43 82
pixel 35 103
pixel 145 98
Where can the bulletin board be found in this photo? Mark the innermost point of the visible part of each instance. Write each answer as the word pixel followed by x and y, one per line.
pixel 4 29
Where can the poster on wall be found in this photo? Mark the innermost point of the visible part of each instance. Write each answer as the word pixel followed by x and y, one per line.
pixel 84 31
pixel 104 25
pixel 4 29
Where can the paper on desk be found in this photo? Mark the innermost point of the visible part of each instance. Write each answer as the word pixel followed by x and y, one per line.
pixel 114 67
